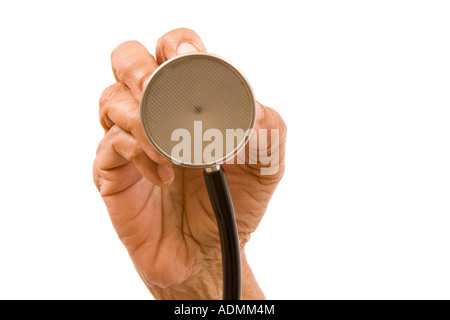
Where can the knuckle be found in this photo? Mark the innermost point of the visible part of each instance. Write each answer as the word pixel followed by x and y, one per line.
pixel 124 47
pixel 127 58
pixel 135 152
pixel 113 133
pixel 109 97
pixel 108 93
pixel 97 180
pixel 119 139
pixel 103 144
pixel 134 121
pixel 96 175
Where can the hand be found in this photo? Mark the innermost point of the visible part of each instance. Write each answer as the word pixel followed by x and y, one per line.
pixel 161 212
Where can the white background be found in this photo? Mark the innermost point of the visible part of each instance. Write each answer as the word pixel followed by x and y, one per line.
pixel 363 211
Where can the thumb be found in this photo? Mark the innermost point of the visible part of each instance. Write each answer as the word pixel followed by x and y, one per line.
pixel 176 42
pixel 267 144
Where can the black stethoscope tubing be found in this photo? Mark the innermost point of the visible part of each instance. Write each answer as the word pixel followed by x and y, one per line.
pixel 219 194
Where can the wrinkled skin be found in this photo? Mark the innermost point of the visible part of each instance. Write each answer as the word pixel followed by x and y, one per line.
pixel 161 212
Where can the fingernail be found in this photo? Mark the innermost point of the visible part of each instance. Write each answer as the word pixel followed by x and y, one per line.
pixel 186 47
pixel 259 112
pixel 165 173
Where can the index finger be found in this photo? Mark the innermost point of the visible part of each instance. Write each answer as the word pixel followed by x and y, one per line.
pixel 132 64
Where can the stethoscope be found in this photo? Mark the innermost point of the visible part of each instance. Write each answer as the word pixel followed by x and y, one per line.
pixel 203 91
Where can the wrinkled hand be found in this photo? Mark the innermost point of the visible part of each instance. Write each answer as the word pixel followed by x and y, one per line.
pixel 161 212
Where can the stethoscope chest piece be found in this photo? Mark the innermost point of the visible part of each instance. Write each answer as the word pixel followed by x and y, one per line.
pixel 198 111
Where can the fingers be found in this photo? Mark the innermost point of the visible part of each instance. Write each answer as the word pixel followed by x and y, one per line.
pixel 176 42
pixel 119 107
pixel 116 151
pixel 132 65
